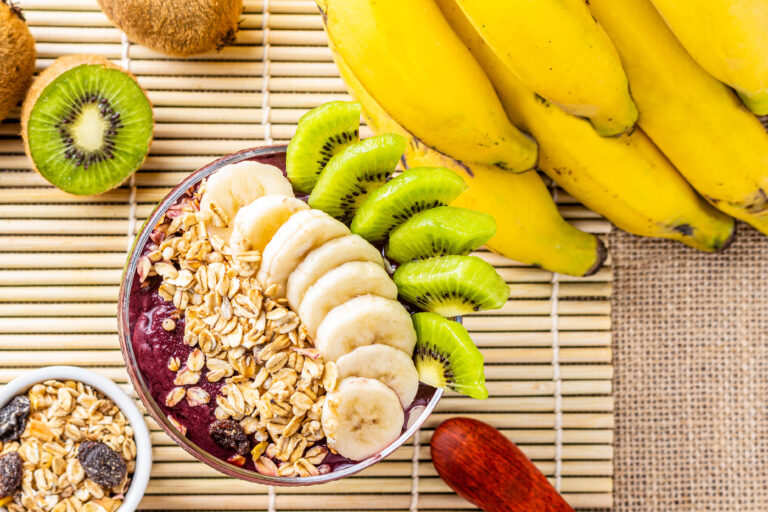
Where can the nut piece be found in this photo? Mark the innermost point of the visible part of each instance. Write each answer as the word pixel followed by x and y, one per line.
pixel 102 464
pixel 10 473
pixel 169 324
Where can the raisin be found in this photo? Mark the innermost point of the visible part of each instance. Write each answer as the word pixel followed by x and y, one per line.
pixel 13 419
pixel 10 473
pixel 230 435
pixel 102 465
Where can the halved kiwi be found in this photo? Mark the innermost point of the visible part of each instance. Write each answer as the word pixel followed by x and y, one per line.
pixel 354 172
pixel 439 232
pixel 86 124
pixel 321 133
pixel 446 357
pixel 451 285
pixel 398 200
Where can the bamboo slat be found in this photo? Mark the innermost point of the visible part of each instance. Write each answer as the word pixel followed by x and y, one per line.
pixel 61 259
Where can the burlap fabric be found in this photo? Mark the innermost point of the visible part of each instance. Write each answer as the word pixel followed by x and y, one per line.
pixel 691 375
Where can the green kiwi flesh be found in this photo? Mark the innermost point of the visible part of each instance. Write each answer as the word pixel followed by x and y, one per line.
pixel 451 285
pixel 321 133
pixel 440 231
pixel 90 129
pixel 354 172
pixel 398 200
pixel 446 357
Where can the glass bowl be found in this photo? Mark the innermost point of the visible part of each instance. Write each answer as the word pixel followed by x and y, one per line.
pixel 273 155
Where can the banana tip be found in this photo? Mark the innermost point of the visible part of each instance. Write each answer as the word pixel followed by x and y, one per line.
pixel 602 254
pixel 730 238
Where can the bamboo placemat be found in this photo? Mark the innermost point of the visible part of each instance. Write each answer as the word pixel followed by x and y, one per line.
pixel 547 352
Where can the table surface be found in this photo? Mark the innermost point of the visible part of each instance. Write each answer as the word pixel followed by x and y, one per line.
pixel 547 352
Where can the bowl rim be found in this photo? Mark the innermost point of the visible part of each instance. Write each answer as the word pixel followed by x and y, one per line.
pixel 140 477
pixel 137 380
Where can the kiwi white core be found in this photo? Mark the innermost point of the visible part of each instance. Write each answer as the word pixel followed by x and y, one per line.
pixel 89 128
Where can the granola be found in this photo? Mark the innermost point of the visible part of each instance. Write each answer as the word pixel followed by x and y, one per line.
pixel 273 382
pixel 64 417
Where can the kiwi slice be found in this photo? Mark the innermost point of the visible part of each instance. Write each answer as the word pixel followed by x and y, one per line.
pixel 439 232
pixel 321 133
pixel 451 285
pixel 446 357
pixel 413 191
pixel 86 124
pixel 354 172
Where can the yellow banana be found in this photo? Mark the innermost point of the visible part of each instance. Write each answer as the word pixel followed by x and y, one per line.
pixel 556 49
pixel 716 143
pixel 407 56
pixel 529 227
pixel 626 178
pixel 728 38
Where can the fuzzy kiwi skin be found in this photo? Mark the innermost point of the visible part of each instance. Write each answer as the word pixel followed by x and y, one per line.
pixel 49 74
pixel 17 57
pixel 176 27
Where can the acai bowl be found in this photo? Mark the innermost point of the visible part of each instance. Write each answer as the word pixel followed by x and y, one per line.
pixel 278 344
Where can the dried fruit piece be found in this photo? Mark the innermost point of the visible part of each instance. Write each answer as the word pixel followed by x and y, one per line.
pixel 102 465
pixel 237 460
pixel 13 419
pixel 230 435
pixel 10 473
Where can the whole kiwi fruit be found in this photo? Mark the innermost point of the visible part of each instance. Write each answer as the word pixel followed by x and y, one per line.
pixel 17 57
pixel 176 27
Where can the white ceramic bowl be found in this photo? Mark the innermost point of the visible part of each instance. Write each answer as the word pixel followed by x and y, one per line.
pixel 126 404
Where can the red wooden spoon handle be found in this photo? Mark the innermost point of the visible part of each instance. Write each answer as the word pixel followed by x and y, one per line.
pixel 486 469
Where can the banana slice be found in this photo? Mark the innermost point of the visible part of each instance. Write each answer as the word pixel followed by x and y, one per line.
pixel 341 284
pixel 362 321
pixel 236 185
pixel 361 418
pixel 256 223
pixel 325 258
pixel 393 367
pixel 302 232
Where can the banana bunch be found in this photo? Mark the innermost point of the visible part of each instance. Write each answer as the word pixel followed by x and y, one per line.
pixel 699 124
pixel 670 160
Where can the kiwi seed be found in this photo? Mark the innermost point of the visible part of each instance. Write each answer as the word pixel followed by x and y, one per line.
pixel 176 27
pixel 86 124
pixel 17 55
